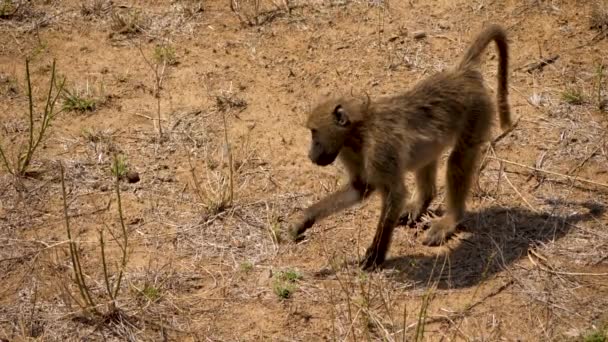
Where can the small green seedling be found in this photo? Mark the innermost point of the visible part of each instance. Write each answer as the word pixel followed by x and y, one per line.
pixel 165 55
pixel 284 283
pixel 119 167
pixel 151 293
pixel 246 266
pixel 76 102
pixel 573 96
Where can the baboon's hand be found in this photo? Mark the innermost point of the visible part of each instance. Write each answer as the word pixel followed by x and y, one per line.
pixel 371 260
pixel 299 227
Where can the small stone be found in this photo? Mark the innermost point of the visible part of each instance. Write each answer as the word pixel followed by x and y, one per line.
pixel 135 220
pixel 166 177
pixel 132 177
pixel 419 34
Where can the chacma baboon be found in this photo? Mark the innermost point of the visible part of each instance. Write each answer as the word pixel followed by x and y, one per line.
pixel 378 140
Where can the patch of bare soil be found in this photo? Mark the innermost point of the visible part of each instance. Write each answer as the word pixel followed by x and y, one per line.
pixel 179 126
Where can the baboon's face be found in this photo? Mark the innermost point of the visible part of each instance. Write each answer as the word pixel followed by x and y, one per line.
pixel 329 125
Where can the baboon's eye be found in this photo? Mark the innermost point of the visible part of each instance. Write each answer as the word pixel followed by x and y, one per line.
pixel 313 132
pixel 340 116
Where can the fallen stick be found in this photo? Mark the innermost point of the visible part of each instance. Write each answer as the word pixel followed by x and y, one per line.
pixel 583 180
pixel 539 65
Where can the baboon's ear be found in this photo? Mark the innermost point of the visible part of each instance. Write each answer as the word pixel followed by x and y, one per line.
pixel 340 116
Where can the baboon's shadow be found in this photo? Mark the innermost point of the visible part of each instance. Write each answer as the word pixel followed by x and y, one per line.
pixel 500 236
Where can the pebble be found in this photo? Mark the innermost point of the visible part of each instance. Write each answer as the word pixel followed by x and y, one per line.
pixel 132 177
pixel 419 34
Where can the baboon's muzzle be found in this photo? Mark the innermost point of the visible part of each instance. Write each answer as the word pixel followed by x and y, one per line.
pixel 321 158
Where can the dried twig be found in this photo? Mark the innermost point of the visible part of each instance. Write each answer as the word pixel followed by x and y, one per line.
pixel 549 270
pixel 518 193
pixel 583 180
pixel 538 65
pixel 593 153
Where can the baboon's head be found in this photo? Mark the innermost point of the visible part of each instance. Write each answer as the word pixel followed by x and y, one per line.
pixel 330 124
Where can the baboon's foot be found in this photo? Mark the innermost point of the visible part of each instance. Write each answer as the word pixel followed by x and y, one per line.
pixel 440 231
pixel 372 259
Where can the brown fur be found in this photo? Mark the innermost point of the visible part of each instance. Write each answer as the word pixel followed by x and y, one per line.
pixel 379 140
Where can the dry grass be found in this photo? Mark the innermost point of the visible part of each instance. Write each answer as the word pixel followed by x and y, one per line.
pixel 205 257
pixel 259 12
pixel 15 9
pixel 128 22
pixel 96 8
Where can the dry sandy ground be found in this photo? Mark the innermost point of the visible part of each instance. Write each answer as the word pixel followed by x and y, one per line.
pixel 206 257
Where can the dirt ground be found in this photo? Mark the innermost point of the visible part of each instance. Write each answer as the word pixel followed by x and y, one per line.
pixel 205 202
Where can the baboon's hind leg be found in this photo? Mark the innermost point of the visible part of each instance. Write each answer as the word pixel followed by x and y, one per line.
pixel 460 173
pixel 421 199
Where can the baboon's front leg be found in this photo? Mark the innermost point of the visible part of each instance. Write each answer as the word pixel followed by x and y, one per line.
pixel 392 205
pixel 347 196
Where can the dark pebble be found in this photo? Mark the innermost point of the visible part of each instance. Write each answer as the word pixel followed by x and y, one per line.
pixel 132 177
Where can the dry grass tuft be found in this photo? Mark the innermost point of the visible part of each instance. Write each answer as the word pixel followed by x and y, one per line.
pixel 96 8
pixel 255 13
pixel 599 18
pixel 16 10
pixel 129 22
pixel 229 101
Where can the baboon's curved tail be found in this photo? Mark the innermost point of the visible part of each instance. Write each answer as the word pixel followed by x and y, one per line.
pixel 472 56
